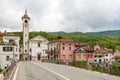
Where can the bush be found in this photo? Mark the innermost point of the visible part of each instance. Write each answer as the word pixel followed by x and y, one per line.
pixel 80 64
pixel 116 69
pixel 1 70
pixel 21 56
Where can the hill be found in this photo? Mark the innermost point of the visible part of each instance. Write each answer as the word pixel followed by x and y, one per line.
pixel 109 39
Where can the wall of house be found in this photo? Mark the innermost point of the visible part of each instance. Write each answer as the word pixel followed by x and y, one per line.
pixel 90 57
pixel 80 56
pixel 3 62
pixel 35 49
pixel 108 57
pixel 16 39
pixel 98 58
pixel 66 51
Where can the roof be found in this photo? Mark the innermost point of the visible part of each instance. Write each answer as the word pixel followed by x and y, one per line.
pixel 38 38
pixel 105 50
pixel 85 46
pixel 25 15
pixel 9 34
pixel 62 40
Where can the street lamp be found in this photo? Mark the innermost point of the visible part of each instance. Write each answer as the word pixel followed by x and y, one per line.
pixel 74 57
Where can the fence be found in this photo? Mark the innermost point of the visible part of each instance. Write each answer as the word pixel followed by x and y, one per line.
pixel 6 74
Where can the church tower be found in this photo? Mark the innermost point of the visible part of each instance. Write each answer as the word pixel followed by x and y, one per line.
pixel 25 26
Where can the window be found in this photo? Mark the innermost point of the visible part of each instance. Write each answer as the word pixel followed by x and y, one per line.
pixel 79 56
pixel 25 25
pixel 106 54
pixel 25 50
pixel 63 48
pixel 69 48
pixel 30 50
pixel 25 35
pixel 95 60
pixel 26 21
pixel 7 48
pixel 11 41
pixel 70 56
pixel 99 56
pixel 88 55
pixel 7 58
pixel 106 59
pixel 16 55
pixel 38 44
pixel 25 42
pixel 63 56
pixel 100 60
pixel 112 53
pixel 91 56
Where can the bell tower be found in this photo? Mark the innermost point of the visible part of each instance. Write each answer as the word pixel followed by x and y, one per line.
pixel 25 26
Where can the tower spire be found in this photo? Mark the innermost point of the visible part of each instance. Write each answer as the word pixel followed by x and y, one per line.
pixel 25 16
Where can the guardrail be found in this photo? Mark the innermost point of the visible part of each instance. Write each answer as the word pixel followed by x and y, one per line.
pixel 6 74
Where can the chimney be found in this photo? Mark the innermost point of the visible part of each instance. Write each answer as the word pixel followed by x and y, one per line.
pixel 5 32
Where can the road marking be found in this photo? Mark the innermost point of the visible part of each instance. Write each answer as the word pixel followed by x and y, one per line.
pixel 14 77
pixel 51 71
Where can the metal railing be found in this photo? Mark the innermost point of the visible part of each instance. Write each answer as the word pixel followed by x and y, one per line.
pixel 8 71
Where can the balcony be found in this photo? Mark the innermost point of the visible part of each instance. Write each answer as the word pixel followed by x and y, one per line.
pixel 52 51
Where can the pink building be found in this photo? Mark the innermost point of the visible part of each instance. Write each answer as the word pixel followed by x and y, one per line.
pixel 61 49
pixel 84 53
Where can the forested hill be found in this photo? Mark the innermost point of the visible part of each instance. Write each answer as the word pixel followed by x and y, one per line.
pixel 109 39
pixel 112 33
pixel 115 33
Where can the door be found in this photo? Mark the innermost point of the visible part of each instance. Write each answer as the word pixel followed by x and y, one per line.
pixel 39 56
pixel 30 57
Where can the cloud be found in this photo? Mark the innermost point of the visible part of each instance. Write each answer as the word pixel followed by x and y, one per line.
pixel 61 15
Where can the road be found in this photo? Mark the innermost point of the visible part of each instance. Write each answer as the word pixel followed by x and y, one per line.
pixel 48 71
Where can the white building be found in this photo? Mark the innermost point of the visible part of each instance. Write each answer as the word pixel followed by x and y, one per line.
pixel 9 49
pixel 37 48
pixel 104 56
pixel 13 39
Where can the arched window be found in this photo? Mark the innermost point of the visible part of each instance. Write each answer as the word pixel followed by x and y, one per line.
pixel 38 44
pixel 7 58
pixel 63 48
pixel 30 50
pixel 26 21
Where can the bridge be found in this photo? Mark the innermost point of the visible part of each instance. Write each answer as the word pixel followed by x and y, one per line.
pixel 36 70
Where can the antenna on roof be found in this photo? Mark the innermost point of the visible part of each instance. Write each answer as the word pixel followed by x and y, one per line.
pixel 26 10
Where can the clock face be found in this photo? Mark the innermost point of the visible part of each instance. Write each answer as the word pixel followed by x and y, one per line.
pixel 25 25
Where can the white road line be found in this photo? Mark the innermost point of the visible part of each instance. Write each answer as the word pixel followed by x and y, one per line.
pixel 52 71
pixel 14 77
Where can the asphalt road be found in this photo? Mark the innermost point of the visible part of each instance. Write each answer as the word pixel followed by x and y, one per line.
pixel 48 71
pixel 30 71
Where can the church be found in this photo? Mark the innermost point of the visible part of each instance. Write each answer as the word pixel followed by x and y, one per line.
pixel 35 48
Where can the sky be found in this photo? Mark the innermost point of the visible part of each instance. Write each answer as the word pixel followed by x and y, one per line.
pixel 61 15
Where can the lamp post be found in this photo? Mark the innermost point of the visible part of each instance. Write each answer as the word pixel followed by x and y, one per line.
pixel 87 57
pixel 74 57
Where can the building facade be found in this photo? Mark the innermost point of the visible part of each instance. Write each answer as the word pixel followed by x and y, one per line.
pixel 61 49
pixel 37 48
pixel 9 49
pixel 104 57
pixel 84 52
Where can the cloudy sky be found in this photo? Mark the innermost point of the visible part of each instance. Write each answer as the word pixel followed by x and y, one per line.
pixel 61 15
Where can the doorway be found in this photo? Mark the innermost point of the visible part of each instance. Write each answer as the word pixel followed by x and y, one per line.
pixel 39 56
